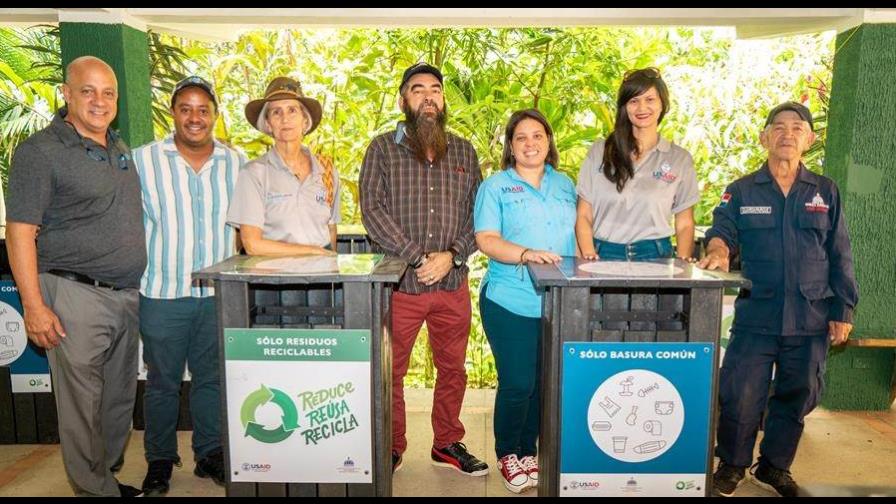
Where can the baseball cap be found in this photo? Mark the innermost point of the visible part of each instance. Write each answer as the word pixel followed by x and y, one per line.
pixel 194 81
pixel 419 68
pixel 799 108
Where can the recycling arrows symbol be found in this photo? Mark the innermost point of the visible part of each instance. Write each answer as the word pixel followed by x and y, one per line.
pixel 260 397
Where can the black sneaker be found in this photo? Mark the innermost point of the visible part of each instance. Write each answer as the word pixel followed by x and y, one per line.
pixel 456 456
pixel 727 478
pixel 776 480
pixel 158 478
pixel 129 491
pixel 396 462
pixel 212 466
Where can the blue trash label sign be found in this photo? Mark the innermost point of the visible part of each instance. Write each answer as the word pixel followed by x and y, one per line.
pixel 635 418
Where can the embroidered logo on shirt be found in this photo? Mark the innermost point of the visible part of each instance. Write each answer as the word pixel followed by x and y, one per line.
pixel 321 197
pixel 752 210
pixel 512 189
pixel 726 197
pixel 665 173
pixel 817 204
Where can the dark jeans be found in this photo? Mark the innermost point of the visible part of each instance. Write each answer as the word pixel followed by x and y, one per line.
pixel 178 331
pixel 635 251
pixel 516 345
pixel 743 394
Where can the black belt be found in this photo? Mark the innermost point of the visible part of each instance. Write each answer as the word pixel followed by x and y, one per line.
pixel 84 279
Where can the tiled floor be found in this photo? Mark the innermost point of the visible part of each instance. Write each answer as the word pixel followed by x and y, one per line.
pixel 838 450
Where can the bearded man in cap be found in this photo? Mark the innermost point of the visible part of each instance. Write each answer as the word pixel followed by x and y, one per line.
pixel 417 189
pixel 789 226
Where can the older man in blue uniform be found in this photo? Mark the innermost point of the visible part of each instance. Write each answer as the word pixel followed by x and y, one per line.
pixel 789 227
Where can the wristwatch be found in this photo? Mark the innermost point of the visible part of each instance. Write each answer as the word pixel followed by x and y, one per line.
pixel 456 257
pixel 419 262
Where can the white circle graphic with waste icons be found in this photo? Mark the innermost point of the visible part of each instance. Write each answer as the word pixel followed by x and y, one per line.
pixel 13 338
pixel 635 415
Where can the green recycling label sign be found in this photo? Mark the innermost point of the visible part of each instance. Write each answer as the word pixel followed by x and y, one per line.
pixel 299 407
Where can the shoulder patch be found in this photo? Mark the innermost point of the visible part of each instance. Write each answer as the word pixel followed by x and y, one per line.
pixel 726 197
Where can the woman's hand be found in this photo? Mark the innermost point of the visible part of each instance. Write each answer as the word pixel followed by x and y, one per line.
pixel 539 257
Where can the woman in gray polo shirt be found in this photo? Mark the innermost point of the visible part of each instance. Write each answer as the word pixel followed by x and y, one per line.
pixel 286 202
pixel 633 183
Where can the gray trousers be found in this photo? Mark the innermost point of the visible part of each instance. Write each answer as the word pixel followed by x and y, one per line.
pixel 94 373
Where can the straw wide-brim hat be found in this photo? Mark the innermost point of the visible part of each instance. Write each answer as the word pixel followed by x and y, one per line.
pixel 282 88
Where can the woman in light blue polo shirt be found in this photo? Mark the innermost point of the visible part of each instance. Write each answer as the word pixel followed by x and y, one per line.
pixel 526 213
pixel 633 183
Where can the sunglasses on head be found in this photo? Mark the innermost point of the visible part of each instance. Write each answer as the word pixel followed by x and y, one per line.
pixel 649 72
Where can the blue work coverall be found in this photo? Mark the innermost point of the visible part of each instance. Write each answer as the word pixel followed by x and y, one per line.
pixel 796 252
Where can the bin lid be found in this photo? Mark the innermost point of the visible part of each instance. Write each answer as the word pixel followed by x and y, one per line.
pixel 306 269
pixel 578 272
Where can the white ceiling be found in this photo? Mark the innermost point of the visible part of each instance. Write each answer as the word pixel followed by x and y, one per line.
pixel 227 23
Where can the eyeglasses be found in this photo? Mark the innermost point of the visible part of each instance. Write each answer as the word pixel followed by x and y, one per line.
pixel 649 72
pixel 100 154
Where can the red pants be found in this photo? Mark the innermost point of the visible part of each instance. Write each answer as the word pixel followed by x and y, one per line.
pixel 447 316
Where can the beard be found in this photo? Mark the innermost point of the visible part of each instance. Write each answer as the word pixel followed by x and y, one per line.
pixel 426 132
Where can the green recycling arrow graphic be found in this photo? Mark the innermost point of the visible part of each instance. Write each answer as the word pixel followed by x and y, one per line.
pixel 260 397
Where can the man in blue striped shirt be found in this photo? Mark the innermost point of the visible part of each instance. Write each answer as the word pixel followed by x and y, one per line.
pixel 187 180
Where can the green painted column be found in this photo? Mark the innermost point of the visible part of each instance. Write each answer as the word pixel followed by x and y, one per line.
pixel 127 51
pixel 861 158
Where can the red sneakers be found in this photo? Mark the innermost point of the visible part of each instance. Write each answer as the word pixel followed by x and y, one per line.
pixel 529 463
pixel 513 475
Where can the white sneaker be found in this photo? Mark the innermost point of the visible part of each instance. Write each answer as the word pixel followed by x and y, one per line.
pixel 529 463
pixel 513 475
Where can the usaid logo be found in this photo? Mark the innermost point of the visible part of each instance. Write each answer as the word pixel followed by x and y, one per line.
pixel 512 189
pixel 584 485
pixel 256 467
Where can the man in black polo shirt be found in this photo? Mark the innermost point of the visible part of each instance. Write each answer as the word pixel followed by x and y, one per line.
pixel 77 251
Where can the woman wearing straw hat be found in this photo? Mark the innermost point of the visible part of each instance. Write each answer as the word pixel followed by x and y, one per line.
pixel 286 202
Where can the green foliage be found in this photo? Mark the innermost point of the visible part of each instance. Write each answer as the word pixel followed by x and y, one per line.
pixel 721 89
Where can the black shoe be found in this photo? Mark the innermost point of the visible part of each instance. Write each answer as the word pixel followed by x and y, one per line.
pixel 456 456
pixel 777 480
pixel 129 491
pixel 116 467
pixel 211 466
pixel 727 478
pixel 158 478
pixel 396 462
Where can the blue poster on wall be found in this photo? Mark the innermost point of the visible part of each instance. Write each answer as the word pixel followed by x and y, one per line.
pixel 28 367
pixel 635 418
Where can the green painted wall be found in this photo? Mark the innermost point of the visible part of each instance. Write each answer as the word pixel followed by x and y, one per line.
pixel 861 158
pixel 127 51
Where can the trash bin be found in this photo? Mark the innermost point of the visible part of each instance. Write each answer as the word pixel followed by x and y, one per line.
pixel 629 376
pixel 297 297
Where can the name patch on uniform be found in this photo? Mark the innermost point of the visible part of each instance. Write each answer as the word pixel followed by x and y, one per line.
pixel 512 189
pixel 665 173
pixel 276 196
pixel 817 204
pixel 754 210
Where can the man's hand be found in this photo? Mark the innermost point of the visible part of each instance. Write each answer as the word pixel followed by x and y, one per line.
pixel 715 260
pixel 43 327
pixel 839 332
pixel 436 267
